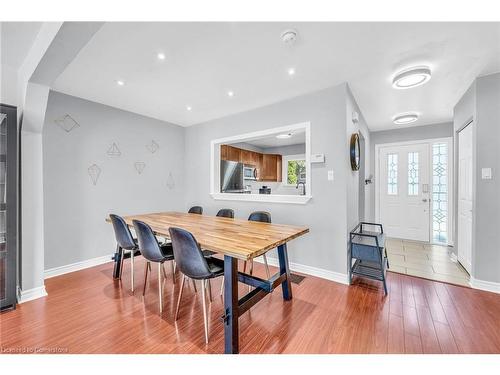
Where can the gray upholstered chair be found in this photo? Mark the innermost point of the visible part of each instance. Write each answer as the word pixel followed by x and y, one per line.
pixel 193 264
pixel 196 210
pixel 225 212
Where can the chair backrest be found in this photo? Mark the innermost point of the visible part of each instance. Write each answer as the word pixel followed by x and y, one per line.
pixel 188 255
pixel 122 233
pixel 226 212
pixel 262 216
pixel 196 210
pixel 148 245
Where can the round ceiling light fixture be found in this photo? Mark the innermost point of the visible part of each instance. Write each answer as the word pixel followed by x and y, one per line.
pixel 120 82
pixel 161 56
pixel 412 77
pixel 284 135
pixel 289 36
pixel 405 118
pixel 189 108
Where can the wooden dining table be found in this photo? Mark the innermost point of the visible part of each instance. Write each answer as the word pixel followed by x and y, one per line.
pixel 234 239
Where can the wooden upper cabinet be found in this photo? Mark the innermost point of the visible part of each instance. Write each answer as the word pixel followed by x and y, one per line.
pixel 268 166
pixel 230 153
pixel 271 168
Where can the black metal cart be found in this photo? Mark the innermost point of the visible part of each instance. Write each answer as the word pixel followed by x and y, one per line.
pixel 368 250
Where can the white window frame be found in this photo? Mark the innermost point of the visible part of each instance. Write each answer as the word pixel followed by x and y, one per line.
pixel 284 171
pixel 269 198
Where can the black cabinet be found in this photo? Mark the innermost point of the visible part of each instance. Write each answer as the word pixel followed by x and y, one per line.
pixel 9 189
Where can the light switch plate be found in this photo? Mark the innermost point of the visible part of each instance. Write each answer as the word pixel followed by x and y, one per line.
pixel 486 174
pixel 330 175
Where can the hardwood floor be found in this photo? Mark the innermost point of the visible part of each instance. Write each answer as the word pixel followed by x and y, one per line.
pixel 89 312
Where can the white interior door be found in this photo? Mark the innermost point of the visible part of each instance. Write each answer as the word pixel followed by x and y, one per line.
pixel 465 176
pixel 404 191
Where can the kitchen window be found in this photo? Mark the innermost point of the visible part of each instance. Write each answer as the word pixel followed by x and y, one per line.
pixel 294 169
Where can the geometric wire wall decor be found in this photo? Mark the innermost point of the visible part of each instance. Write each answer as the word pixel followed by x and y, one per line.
pixel 153 147
pixel 170 181
pixel 114 151
pixel 94 172
pixel 139 166
pixel 67 123
pixel 440 192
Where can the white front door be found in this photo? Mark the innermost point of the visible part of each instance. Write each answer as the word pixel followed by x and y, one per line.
pixel 465 175
pixel 403 188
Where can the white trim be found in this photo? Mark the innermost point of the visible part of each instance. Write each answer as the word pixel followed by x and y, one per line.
pixel 265 198
pixel 485 285
pixel 337 277
pixel 31 294
pixel 451 169
pixel 214 185
pixel 52 272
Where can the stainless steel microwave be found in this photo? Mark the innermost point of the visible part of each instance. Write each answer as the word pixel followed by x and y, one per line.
pixel 249 173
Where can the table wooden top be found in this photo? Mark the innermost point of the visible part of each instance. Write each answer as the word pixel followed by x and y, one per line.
pixel 238 238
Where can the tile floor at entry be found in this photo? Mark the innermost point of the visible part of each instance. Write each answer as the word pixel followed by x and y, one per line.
pixel 424 260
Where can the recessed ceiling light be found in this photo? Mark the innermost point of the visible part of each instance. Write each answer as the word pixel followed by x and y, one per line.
pixel 230 94
pixel 405 118
pixel 188 108
pixel 161 56
pixel 120 82
pixel 411 77
pixel 284 135
pixel 291 71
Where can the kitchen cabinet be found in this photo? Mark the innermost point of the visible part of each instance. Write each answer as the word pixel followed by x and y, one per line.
pixel 271 168
pixel 230 153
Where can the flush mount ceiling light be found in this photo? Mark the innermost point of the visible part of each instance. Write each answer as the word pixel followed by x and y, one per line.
pixel 230 94
pixel 188 108
pixel 161 56
pixel 284 135
pixel 405 118
pixel 120 82
pixel 411 77
pixel 291 71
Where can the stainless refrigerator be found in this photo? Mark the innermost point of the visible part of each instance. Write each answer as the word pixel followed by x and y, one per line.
pixel 231 177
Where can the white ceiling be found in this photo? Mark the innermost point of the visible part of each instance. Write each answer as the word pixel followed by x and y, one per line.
pixel 271 141
pixel 205 60
pixel 16 40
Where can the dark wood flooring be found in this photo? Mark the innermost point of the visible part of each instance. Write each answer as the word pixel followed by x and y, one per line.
pixel 88 312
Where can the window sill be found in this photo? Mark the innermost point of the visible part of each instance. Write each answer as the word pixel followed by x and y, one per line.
pixel 268 198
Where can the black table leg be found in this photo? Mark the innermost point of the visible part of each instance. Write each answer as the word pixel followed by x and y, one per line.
pixel 118 262
pixel 286 285
pixel 231 314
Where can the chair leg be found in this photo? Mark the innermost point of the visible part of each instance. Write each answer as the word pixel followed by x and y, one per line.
pixel 222 286
pixel 209 287
pixel 121 263
pixel 160 294
pixel 148 267
pixel 132 270
pixel 251 273
pixel 244 266
pixel 267 267
pixel 180 297
pixel 173 271
pixel 205 318
pixel 194 286
pixel 164 272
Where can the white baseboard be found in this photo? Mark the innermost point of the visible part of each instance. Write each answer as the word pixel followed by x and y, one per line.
pixel 30 294
pixel 77 266
pixel 485 285
pixel 337 277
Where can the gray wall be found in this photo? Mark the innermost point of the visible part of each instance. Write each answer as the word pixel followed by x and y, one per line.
pixel 415 133
pixel 325 214
pixel 75 209
pixel 481 104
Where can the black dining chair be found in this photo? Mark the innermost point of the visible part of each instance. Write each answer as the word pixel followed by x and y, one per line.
pixel 196 210
pixel 263 217
pixel 126 243
pixel 226 212
pixel 153 252
pixel 193 264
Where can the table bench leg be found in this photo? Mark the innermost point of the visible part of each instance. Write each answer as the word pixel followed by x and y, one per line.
pixel 231 314
pixel 286 285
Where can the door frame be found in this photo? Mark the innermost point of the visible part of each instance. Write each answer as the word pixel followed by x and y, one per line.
pixel 451 181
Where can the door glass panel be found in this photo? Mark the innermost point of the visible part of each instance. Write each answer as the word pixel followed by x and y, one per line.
pixel 413 173
pixel 392 174
pixel 440 192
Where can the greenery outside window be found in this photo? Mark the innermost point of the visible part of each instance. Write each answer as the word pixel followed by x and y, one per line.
pixel 294 168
